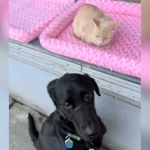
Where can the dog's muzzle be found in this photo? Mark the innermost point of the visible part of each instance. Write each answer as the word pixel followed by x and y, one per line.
pixel 85 120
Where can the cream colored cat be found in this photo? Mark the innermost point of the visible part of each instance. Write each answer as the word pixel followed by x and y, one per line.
pixel 93 26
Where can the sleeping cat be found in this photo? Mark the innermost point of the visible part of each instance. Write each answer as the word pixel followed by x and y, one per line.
pixel 93 26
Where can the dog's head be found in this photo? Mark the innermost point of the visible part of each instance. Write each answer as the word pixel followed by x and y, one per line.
pixel 73 95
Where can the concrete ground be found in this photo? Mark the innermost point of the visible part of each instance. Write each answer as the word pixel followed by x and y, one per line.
pixel 18 126
pixel 19 137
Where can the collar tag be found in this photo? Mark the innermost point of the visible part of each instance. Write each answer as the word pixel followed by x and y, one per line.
pixel 69 143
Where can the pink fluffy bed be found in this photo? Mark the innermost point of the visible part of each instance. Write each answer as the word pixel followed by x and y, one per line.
pixel 122 55
pixel 28 18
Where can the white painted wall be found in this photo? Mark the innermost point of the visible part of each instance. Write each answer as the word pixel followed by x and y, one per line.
pixel 28 84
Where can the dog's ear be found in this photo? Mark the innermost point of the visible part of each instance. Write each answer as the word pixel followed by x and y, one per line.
pixel 94 84
pixel 51 91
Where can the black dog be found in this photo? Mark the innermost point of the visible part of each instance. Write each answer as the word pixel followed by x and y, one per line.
pixel 73 96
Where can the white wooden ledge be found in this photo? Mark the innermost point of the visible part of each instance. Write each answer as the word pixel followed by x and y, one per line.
pixel 34 55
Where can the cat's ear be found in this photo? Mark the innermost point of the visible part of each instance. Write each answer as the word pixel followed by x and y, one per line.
pixel 97 22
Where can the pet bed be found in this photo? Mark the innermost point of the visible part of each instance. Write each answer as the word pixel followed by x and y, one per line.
pixel 122 55
pixel 28 18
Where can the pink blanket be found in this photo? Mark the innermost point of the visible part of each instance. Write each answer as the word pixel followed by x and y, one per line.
pixel 53 18
pixel 122 55
pixel 28 18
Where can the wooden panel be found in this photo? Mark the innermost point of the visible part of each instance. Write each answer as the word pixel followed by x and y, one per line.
pixel 114 86
pixel 42 60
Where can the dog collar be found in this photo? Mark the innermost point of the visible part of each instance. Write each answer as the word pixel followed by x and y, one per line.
pixel 69 140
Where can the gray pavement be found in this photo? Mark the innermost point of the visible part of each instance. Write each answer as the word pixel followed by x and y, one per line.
pixel 19 137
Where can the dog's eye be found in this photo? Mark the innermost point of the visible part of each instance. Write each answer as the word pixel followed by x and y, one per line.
pixel 88 97
pixel 68 105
